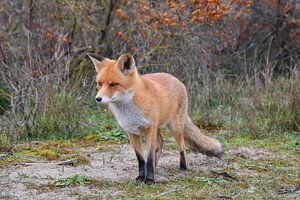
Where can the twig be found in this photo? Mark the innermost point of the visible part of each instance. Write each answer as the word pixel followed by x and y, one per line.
pixel 224 197
pixel 224 175
pixel 167 192
pixel 71 162
pixel 2 54
pixel 157 47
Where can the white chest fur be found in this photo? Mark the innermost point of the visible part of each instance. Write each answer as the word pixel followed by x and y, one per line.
pixel 129 117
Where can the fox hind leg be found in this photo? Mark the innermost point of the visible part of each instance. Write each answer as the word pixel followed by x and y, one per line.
pixel 159 146
pixel 177 128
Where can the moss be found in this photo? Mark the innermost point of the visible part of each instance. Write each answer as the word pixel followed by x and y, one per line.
pixel 60 143
pixel 31 152
pixel 14 159
pixel 51 154
pixel 92 137
pixel 51 150
pixel 89 140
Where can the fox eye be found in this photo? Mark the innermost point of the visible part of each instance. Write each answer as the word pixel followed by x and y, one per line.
pixel 99 84
pixel 113 84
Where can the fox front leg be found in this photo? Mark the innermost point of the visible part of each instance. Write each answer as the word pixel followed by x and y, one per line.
pixel 151 136
pixel 135 140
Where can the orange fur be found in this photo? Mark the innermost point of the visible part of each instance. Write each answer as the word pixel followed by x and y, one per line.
pixel 161 99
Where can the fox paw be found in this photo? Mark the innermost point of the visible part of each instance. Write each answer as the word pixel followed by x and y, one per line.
pixel 149 181
pixel 183 167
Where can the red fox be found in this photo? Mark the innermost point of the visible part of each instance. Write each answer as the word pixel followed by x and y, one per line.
pixel 144 103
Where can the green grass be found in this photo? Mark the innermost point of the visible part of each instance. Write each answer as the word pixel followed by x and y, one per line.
pixel 99 124
pixel 258 110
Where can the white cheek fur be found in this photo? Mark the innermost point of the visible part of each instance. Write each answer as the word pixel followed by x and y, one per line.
pixel 126 97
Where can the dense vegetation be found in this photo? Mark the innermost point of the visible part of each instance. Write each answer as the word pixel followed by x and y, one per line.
pixel 239 60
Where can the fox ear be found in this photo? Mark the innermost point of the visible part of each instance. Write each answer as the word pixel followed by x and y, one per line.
pixel 97 61
pixel 126 64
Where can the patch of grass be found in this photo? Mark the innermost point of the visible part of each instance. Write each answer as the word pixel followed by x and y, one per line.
pixel 142 191
pixel 258 110
pixel 108 129
pixel 67 118
pixel 233 139
pixel 171 146
pixel 74 180
pixel 113 136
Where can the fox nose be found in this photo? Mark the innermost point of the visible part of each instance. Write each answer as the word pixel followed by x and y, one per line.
pixel 98 99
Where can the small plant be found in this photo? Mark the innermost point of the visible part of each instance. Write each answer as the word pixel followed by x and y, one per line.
pixel 115 135
pixel 74 180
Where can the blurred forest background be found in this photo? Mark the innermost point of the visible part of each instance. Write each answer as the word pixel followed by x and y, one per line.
pixel 240 60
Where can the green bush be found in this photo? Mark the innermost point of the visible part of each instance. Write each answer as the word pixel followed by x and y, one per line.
pixel 67 117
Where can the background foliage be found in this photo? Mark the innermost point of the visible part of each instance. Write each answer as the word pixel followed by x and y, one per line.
pixel 239 60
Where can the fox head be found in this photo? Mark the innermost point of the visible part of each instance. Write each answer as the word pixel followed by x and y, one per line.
pixel 115 78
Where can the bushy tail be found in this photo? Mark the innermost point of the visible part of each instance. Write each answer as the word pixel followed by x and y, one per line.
pixel 201 143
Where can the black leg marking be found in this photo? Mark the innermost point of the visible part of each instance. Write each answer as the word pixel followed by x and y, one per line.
pixel 182 161
pixel 141 163
pixel 150 169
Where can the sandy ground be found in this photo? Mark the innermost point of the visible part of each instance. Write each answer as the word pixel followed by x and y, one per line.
pixel 116 164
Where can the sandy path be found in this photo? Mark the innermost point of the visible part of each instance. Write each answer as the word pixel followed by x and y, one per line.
pixel 116 164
